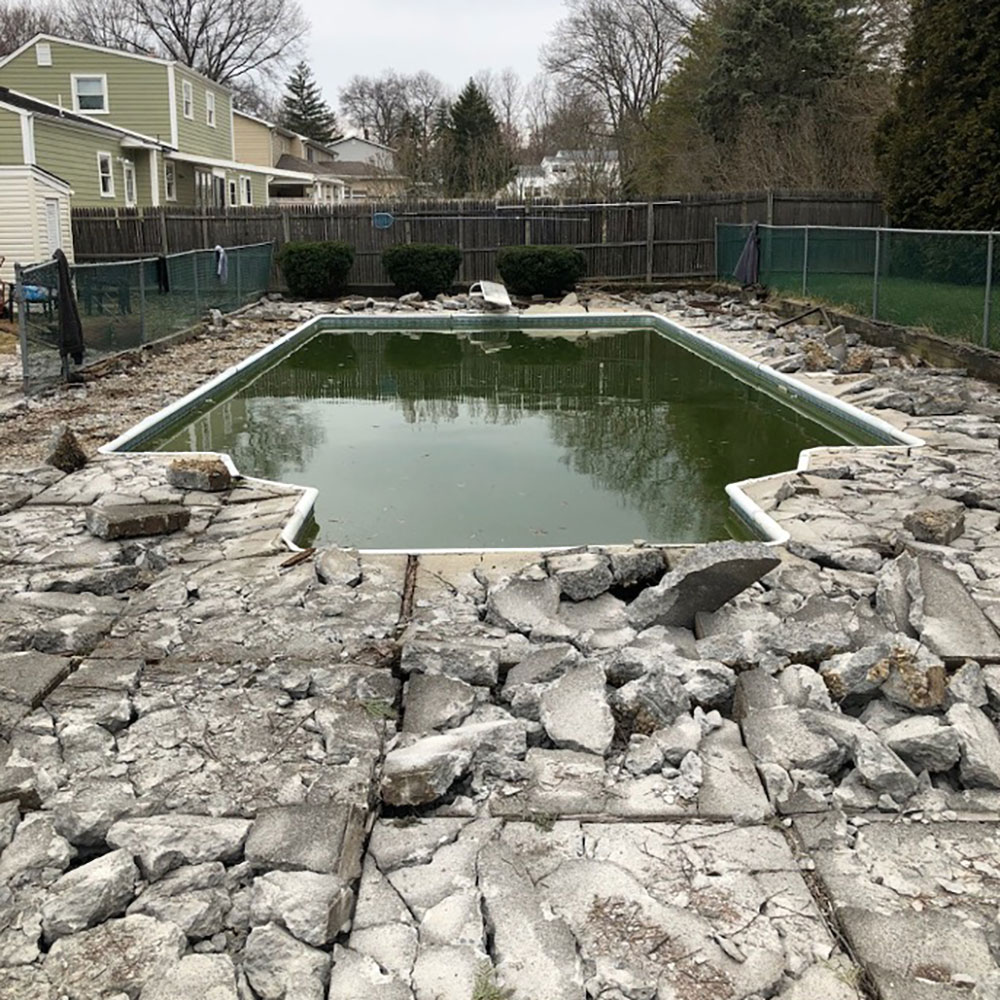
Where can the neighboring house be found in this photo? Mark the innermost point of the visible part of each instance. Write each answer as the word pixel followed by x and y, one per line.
pixel 177 144
pixel 356 149
pixel 368 169
pixel 296 157
pixel 569 173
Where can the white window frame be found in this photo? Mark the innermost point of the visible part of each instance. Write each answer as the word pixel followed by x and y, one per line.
pixel 43 53
pixel 210 109
pixel 169 180
pixel 75 78
pixel 233 190
pixel 187 99
pixel 110 193
pixel 246 189
pixel 128 168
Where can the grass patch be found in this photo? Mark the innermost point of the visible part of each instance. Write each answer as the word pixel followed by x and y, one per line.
pixel 379 709
pixel 486 986
pixel 950 310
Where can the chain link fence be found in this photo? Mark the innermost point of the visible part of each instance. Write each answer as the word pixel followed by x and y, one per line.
pixel 943 281
pixel 126 304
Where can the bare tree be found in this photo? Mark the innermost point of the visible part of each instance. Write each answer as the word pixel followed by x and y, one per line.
pixel 224 39
pixel 377 105
pixel 21 20
pixel 619 51
pixel 881 28
pixel 383 106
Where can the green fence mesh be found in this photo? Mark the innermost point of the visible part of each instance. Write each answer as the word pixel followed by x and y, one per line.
pixel 126 304
pixel 935 280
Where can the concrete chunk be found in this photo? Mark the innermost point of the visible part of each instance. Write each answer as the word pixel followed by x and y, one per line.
pixel 520 604
pixel 209 475
pixel 88 895
pixel 980 746
pixel 575 711
pixel 937 521
pixel 320 838
pixel 136 520
pixel 310 906
pixel 581 575
pixel 161 843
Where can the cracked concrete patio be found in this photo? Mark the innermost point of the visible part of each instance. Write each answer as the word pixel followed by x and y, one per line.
pixel 231 772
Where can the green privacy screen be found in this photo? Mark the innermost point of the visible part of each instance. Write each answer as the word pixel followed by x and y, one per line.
pixel 938 280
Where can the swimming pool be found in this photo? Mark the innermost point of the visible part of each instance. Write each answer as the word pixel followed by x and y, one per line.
pixel 505 432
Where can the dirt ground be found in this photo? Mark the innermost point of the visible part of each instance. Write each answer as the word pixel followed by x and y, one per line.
pixel 120 393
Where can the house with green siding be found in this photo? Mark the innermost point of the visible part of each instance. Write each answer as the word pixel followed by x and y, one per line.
pixel 123 129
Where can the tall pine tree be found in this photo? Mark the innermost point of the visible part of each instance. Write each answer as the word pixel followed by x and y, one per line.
pixel 303 109
pixel 477 158
pixel 938 150
pixel 776 56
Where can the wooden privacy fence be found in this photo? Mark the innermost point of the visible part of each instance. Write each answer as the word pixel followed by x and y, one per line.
pixel 661 239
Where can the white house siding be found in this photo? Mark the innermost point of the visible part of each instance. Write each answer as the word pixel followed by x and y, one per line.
pixel 23 229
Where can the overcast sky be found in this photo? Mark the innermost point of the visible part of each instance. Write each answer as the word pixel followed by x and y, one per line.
pixel 450 38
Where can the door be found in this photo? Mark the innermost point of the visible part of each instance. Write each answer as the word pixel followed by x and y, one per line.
pixel 128 170
pixel 53 225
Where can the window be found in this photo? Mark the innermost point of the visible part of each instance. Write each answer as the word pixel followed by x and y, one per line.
pixel 43 54
pixel 128 174
pixel 210 108
pixel 90 93
pixel 170 181
pixel 105 175
pixel 247 188
pixel 187 92
pixel 233 195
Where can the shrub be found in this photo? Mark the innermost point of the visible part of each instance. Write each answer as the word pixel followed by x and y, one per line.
pixel 544 271
pixel 422 267
pixel 316 270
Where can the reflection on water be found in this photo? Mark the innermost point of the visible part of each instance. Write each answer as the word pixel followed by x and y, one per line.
pixel 502 439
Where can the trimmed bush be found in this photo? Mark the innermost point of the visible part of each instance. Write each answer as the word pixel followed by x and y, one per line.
pixel 316 270
pixel 422 267
pixel 547 271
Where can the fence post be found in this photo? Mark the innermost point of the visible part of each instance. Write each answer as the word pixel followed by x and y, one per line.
pixel 142 302
pixel 22 323
pixel 878 267
pixel 718 259
pixel 650 225
pixel 461 249
pixel 164 243
pixel 805 262
pixel 239 294
pixel 527 227
pixel 988 305
pixel 286 227
pixel 194 272
pixel 407 232
pixel 770 207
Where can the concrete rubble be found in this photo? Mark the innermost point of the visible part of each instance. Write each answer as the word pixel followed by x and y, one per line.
pixel 722 772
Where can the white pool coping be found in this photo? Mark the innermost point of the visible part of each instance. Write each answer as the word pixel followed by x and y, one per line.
pixel 747 509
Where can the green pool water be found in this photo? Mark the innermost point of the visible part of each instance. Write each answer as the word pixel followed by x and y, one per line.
pixel 501 438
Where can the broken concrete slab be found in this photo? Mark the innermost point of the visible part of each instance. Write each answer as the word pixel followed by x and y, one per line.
pixel 944 614
pixel 161 843
pixel 707 579
pixel 581 575
pixel 519 604
pixel 89 895
pixel 327 839
pixel 136 520
pixel 936 520
pixel 433 701
pixel 204 473
pixel 575 713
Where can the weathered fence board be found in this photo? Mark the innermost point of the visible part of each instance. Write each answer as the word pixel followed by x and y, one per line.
pixel 665 238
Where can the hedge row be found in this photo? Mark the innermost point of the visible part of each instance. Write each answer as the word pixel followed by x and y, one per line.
pixel 320 270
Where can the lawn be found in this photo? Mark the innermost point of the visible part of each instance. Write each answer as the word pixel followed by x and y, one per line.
pixel 954 311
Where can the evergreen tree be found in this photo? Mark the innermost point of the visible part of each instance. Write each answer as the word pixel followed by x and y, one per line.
pixel 303 109
pixel 476 157
pixel 776 56
pixel 938 150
